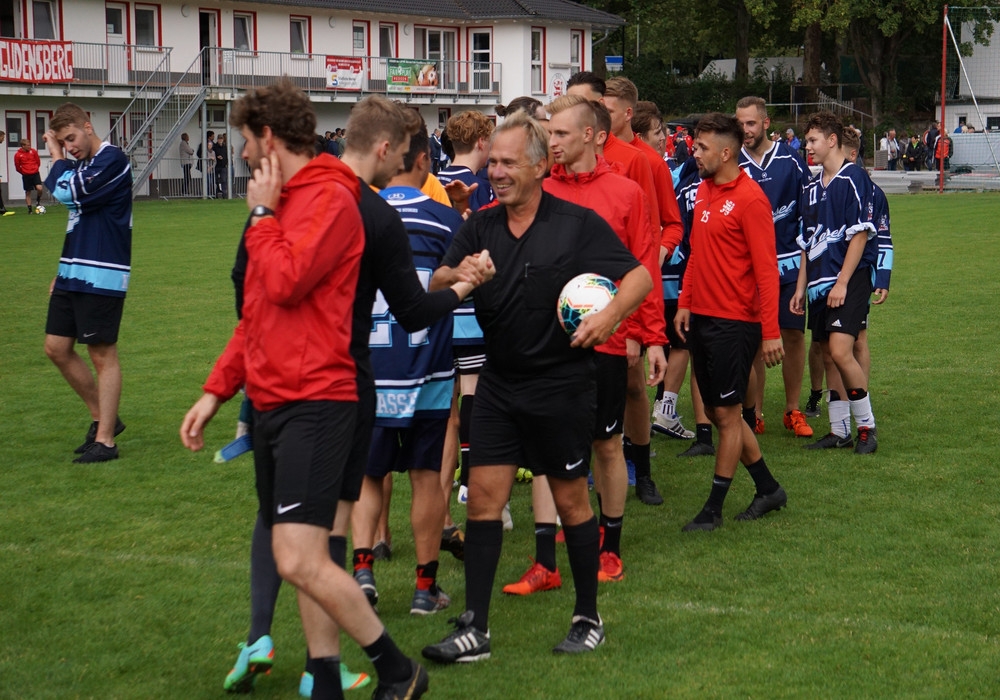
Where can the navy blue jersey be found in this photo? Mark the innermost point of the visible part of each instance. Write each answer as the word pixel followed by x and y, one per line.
pixel 880 217
pixel 783 176
pixel 97 251
pixel 686 181
pixel 831 216
pixel 414 372
pixel 482 195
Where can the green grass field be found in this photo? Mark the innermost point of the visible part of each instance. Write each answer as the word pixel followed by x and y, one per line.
pixel 879 580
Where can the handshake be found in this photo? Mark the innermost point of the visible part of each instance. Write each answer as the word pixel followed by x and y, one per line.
pixel 476 269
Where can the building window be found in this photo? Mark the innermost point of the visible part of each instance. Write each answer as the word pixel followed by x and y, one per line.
pixel 360 38
pixel 243 31
pixel 575 51
pixel 300 35
pixel 387 40
pixel 44 16
pixel 41 126
pixel 482 57
pixel 438 46
pixel 147 25
pixel 537 60
pixel 10 19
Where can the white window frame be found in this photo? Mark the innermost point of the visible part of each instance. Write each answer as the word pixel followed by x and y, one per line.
pixel 392 29
pixel 359 29
pixel 155 10
pixel 15 20
pixel 481 61
pixel 576 44
pixel 304 24
pixel 54 13
pixel 249 22
pixel 42 118
pixel 537 61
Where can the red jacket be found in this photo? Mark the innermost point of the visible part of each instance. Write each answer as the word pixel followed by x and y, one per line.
pixel 671 228
pixel 635 169
pixel 27 162
pixel 620 202
pixel 732 271
pixel 293 343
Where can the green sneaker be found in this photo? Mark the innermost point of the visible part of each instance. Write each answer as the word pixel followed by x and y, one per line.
pixel 254 659
pixel 348 681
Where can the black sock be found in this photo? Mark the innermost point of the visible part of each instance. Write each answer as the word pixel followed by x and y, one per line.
pixel 750 416
pixel 612 534
pixel 264 581
pixel 815 394
pixel 627 450
pixel 834 396
pixel 390 663
pixel 720 487
pixel 581 546
pixel 363 559
pixel 703 433
pixel 464 430
pixel 427 577
pixel 762 478
pixel 659 391
pixel 338 550
pixel 326 678
pixel 545 545
pixel 856 394
pixel 483 542
pixel 640 458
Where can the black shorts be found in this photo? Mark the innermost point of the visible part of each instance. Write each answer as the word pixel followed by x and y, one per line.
pixel 300 450
pixel 612 384
pixel 354 470
pixel 418 446
pixel 93 319
pixel 469 359
pixel 30 182
pixel 786 319
pixel 722 352
pixel 851 317
pixel 676 342
pixel 545 422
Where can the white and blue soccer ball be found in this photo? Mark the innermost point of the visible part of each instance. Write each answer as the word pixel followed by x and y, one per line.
pixel 40 209
pixel 584 294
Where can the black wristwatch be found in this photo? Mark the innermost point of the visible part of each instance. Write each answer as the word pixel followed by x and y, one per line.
pixel 261 210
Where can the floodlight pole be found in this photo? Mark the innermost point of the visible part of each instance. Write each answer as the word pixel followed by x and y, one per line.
pixel 944 69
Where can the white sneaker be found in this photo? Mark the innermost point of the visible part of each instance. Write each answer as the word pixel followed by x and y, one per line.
pixel 508 521
pixel 463 494
pixel 671 426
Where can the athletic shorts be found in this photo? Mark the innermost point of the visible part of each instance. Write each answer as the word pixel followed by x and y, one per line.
pixel 851 317
pixel 669 312
pixel 546 422
pixel 469 359
pixel 786 319
pixel 93 319
pixel 612 384
pixel 300 451
pixel 722 353
pixel 30 182
pixel 354 471
pixel 417 446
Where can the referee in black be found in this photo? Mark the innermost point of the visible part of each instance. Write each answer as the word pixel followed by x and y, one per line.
pixel 536 397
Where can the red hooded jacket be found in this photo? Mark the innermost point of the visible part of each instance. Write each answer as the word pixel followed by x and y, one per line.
pixel 293 343
pixel 27 162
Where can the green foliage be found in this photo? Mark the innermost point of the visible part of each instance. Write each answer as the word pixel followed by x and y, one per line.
pixel 128 580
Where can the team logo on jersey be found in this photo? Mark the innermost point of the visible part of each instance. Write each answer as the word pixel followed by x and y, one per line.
pixel 396 195
pixel 728 207
pixel 883 223
pixel 784 211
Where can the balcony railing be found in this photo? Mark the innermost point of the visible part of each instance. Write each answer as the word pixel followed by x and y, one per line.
pixel 100 65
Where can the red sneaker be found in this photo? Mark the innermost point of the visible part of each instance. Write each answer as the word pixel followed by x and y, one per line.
pixel 796 422
pixel 611 568
pixel 535 580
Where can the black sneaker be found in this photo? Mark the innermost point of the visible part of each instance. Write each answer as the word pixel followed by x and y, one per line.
pixel 410 689
pixel 699 449
pixel 646 491
pixel 382 551
pixel 463 645
pixel 92 435
pixel 695 526
pixel 584 635
pixel 452 540
pixel 867 441
pixel 762 505
pixel 97 452
pixel 812 405
pixel 830 442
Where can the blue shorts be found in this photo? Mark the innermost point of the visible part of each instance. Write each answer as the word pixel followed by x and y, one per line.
pixel 786 319
pixel 417 446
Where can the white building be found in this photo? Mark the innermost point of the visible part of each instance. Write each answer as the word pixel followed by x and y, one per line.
pixel 147 72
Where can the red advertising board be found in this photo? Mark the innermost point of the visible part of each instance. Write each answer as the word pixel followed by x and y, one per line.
pixel 36 61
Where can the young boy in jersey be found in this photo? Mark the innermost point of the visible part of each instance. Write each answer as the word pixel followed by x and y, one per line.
pixel 836 274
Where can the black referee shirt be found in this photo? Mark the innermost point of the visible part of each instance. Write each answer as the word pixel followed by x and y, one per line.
pixel 517 308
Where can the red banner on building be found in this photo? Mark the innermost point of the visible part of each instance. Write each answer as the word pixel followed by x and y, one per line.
pixel 36 61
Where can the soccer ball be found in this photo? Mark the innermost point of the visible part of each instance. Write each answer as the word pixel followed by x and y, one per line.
pixel 582 295
pixel 40 209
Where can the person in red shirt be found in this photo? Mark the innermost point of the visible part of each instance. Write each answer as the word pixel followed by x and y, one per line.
pixel 291 350
pixel 728 308
pixel 27 162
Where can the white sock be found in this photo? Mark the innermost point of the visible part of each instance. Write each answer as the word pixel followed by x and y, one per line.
pixel 668 404
pixel 840 418
pixel 862 412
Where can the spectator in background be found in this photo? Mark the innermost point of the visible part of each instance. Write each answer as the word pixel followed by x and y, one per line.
pixel 930 144
pixel 942 152
pixel 914 155
pixel 27 162
pixel 221 166
pixel 436 151
pixel 3 209
pixel 206 159
pixel 186 154
pixel 891 146
pixel 792 140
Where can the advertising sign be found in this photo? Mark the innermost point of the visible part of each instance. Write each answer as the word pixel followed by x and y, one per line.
pixel 343 73
pixel 411 75
pixel 36 61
